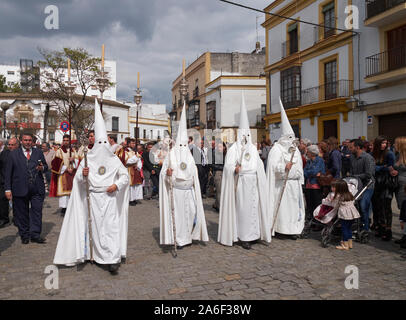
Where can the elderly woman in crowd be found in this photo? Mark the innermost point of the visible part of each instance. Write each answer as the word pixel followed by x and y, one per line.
pixel 313 169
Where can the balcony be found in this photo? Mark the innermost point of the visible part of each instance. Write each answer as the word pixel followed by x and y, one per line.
pixel 328 91
pixel 386 66
pixel 384 12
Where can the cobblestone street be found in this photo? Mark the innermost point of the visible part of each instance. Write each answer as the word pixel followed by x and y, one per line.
pixel 286 269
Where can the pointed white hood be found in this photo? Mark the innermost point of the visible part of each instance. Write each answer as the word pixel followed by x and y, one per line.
pixel 102 163
pixel 286 127
pixel 244 127
pixel 181 160
pixel 100 131
pixel 182 138
pixel 288 136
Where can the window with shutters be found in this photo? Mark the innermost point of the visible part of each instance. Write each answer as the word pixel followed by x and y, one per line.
pixel 291 87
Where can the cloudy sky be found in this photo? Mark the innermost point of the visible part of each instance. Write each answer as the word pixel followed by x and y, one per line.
pixel 147 36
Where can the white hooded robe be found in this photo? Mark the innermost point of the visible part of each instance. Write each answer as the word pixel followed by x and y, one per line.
pixel 291 215
pixel 244 208
pixel 109 211
pixel 188 205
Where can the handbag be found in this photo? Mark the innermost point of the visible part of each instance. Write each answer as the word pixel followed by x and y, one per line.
pixel 392 183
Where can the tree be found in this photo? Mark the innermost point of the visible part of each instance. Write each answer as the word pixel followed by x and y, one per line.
pixel 5 88
pixel 84 72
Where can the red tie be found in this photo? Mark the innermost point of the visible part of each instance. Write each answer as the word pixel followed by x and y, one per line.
pixel 28 153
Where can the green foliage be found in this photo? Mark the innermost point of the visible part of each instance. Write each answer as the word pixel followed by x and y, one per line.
pixel 85 69
pixel 5 88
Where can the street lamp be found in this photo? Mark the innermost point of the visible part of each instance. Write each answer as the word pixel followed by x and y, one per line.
pixel 5 106
pixel 137 100
pixel 102 83
pixel 70 89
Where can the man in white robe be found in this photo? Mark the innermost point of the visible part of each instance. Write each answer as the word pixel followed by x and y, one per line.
pixel 134 165
pixel 289 220
pixel 244 207
pixel 179 168
pixel 108 196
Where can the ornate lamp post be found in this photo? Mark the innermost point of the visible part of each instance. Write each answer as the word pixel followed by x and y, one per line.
pixel 102 82
pixel 137 100
pixel 5 106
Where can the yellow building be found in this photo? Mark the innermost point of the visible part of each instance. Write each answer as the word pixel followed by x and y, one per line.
pixel 215 82
pixel 331 80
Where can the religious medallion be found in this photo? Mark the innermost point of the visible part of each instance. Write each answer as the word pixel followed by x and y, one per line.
pixel 102 170
pixel 183 166
pixel 247 156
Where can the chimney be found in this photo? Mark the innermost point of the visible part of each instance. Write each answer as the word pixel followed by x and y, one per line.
pixel 257 47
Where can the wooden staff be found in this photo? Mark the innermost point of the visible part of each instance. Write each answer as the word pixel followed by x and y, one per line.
pixel 292 149
pixel 172 205
pixel 89 217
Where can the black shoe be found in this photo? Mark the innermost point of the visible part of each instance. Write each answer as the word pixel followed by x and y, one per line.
pixel 38 240
pixel 133 203
pixel 403 245
pixel 113 268
pixel 293 237
pixel 4 223
pixel 63 211
pixel 25 241
pixel 246 245
pixel 387 236
pixel 401 240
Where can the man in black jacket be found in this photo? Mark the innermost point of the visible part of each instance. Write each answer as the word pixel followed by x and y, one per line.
pixel 4 203
pixel 217 166
pixel 151 172
pixel 24 184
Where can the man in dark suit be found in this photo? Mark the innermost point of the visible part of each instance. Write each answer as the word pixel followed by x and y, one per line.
pixel 151 171
pixel 24 184
pixel 4 203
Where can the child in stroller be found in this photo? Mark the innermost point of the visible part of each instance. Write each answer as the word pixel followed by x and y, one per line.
pixel 327 213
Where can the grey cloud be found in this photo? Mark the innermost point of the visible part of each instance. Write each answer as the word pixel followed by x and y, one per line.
pixel 90 17
pixel 150 37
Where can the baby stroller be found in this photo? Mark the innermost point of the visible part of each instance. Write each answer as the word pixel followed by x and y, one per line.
pixel 327 217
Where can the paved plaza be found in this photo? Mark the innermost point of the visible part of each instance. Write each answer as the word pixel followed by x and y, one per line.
pixel 285 269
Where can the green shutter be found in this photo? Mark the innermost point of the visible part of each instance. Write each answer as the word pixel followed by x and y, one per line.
pixel 328 7
pixel 292 27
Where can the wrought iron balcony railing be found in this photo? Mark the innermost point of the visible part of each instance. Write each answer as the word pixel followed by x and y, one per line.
pixel 386 61
pixel 328 91
pixel 375 7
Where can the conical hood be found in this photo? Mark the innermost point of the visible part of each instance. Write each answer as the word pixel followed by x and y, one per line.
pixel 182 138
pixel 100 131
pixel 244 127
pixel 286 127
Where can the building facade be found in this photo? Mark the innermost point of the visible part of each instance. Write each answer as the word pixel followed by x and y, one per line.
pixel 24 112
pixel 215 82
pixel 15 74
pixel 153 122
pixel 311 69
pixel 383 66
pixel 334 82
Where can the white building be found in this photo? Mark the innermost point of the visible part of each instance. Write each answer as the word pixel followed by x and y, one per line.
pixel 318 71
pixel 383 67
pixel 223 101
pixel 153 121
pixel 12 73
pixel 26 113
